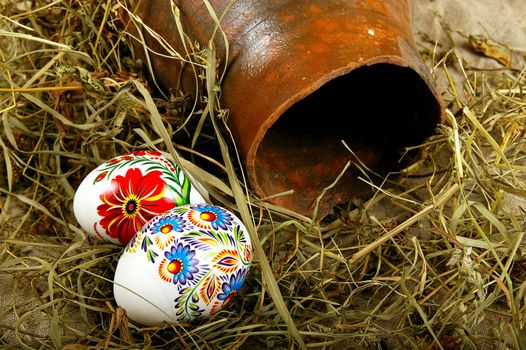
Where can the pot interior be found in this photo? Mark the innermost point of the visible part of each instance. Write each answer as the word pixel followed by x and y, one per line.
pixel 377 110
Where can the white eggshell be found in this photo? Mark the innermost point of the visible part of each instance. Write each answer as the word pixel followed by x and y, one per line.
pixel 184 264
pixel 118 197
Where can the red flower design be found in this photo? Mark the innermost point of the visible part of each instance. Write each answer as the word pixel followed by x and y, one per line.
pixel 135 199
pixel 100 177
pixel 145 153
pixel 113 161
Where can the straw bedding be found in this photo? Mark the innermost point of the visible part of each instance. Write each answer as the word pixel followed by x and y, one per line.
pixel 435 259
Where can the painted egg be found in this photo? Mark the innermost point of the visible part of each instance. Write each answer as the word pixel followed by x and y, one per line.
pixel 184 264
pixel 118 197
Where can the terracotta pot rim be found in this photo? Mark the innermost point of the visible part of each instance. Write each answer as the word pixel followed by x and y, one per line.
pixel 274 117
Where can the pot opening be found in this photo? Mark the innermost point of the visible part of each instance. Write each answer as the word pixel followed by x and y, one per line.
pixel 377 110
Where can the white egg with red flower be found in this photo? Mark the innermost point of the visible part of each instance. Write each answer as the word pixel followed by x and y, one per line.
pixel 118 197
pixel 184 264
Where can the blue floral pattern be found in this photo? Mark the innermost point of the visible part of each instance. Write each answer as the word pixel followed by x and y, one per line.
pixel 179 265
pixel 201 254
pixel 164 226
pixel 232 286
pixel 208 216
pixel 167 223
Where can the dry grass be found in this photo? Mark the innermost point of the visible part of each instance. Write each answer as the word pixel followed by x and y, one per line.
pixel 435 259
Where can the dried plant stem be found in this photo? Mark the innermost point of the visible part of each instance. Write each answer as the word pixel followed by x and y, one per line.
pixel 415 218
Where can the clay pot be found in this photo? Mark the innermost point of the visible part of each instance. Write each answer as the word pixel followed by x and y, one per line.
pixel 301 76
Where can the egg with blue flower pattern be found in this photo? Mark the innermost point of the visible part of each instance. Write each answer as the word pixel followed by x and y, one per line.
pixel 118 197
pixel 182 265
